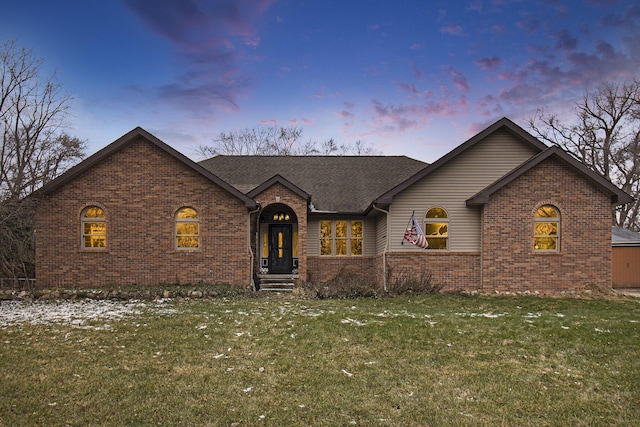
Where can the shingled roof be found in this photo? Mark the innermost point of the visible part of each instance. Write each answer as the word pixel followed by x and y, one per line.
pixel 344 184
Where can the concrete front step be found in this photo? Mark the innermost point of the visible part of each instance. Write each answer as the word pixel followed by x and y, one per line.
pixel 276 286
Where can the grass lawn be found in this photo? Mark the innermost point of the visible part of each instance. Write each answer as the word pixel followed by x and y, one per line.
pixel 420 361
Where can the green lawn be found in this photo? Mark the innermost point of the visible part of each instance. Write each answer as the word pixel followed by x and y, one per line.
pixel 420 361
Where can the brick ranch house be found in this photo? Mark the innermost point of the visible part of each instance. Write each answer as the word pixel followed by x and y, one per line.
pixel 501 212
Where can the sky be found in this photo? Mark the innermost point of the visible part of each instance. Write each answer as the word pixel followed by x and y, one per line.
pixel 405 77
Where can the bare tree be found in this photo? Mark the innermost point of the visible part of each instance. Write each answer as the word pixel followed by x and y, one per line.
pixel 275 141
pixel 605 135
pixel 35 149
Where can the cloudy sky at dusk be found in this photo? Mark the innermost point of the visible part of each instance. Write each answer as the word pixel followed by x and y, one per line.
pixel 407 77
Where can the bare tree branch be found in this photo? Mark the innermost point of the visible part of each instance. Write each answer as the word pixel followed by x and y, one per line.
pixel 276 141
pixel 605 135
pixel 35 149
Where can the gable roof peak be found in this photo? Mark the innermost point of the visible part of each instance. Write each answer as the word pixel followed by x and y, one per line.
pixel 503 123
pixel 126 139
pixel 618 196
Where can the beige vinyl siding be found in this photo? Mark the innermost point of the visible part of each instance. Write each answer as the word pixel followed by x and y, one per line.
pixel 313 237
pixel 369 235
pixel 452 184
pixel 381 233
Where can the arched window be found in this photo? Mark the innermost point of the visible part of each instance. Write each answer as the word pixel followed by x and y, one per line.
pixel 94 228
pixel 187 229
pixel 546 235
pixel 436 228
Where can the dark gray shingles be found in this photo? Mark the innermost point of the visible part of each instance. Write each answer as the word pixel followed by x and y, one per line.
pixel 336 183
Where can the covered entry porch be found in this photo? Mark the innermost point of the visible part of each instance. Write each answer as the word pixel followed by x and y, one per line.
pixel 278 248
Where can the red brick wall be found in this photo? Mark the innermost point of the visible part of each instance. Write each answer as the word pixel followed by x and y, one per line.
pixel 324 268
pixel 141 187
pixel 509 260
pixel 457 271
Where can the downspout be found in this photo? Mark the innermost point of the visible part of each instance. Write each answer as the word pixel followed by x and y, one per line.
pixel 253 283
pixel 386 248
pixel 482 250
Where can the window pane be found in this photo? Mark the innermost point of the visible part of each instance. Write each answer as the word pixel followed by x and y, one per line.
pixel 547 212
pixel 187 228
pixel 188 242
pixel 95 228
pixel 356 229
pixel 437 243
pixel 325 246
pixel 341 229
pixel 95 241
pixel 356 246
pixel 94 212
pixel 545 243
pixel 546 229
pixel 341 247
pixel 187 213
pixel 436 229
pixel 437 213
pixel 325 229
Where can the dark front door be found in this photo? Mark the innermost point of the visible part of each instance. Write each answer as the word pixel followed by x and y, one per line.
pixel 280 256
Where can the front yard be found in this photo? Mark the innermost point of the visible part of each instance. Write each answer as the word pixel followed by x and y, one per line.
pixel 411 361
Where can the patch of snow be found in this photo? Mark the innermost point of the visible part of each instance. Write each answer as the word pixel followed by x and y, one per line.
pixel 72 313
pixel 353 321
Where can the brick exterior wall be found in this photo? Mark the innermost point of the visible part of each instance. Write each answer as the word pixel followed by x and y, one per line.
pixel 299 207
pixel 456 271
pixel 509 260
pixel 324 268
pixel 140 187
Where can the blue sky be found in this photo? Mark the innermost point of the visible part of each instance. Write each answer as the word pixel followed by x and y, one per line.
pixel 406 77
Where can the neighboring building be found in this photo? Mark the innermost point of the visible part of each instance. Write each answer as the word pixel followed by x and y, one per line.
pixel 626 258
pixel 501 212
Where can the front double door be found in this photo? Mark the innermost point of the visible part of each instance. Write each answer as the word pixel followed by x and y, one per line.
pixel 280 249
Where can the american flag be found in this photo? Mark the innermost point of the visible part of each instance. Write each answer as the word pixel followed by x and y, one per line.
pixel 414 233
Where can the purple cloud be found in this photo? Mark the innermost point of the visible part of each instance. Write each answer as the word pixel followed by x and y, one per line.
pixel 408 87
pixel 207 37
pixel 459 79
pixel 488 63
pixel 344 114
pixel 390 117
pixel 565 41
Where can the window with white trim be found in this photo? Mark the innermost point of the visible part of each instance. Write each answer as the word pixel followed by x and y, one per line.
pixel 546 234
pixel 436 228
pixel 341 237
pixel 187 235
pixel 94 228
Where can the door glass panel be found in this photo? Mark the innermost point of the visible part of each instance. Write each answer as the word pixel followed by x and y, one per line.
pixel 265 247
pixel 295 244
